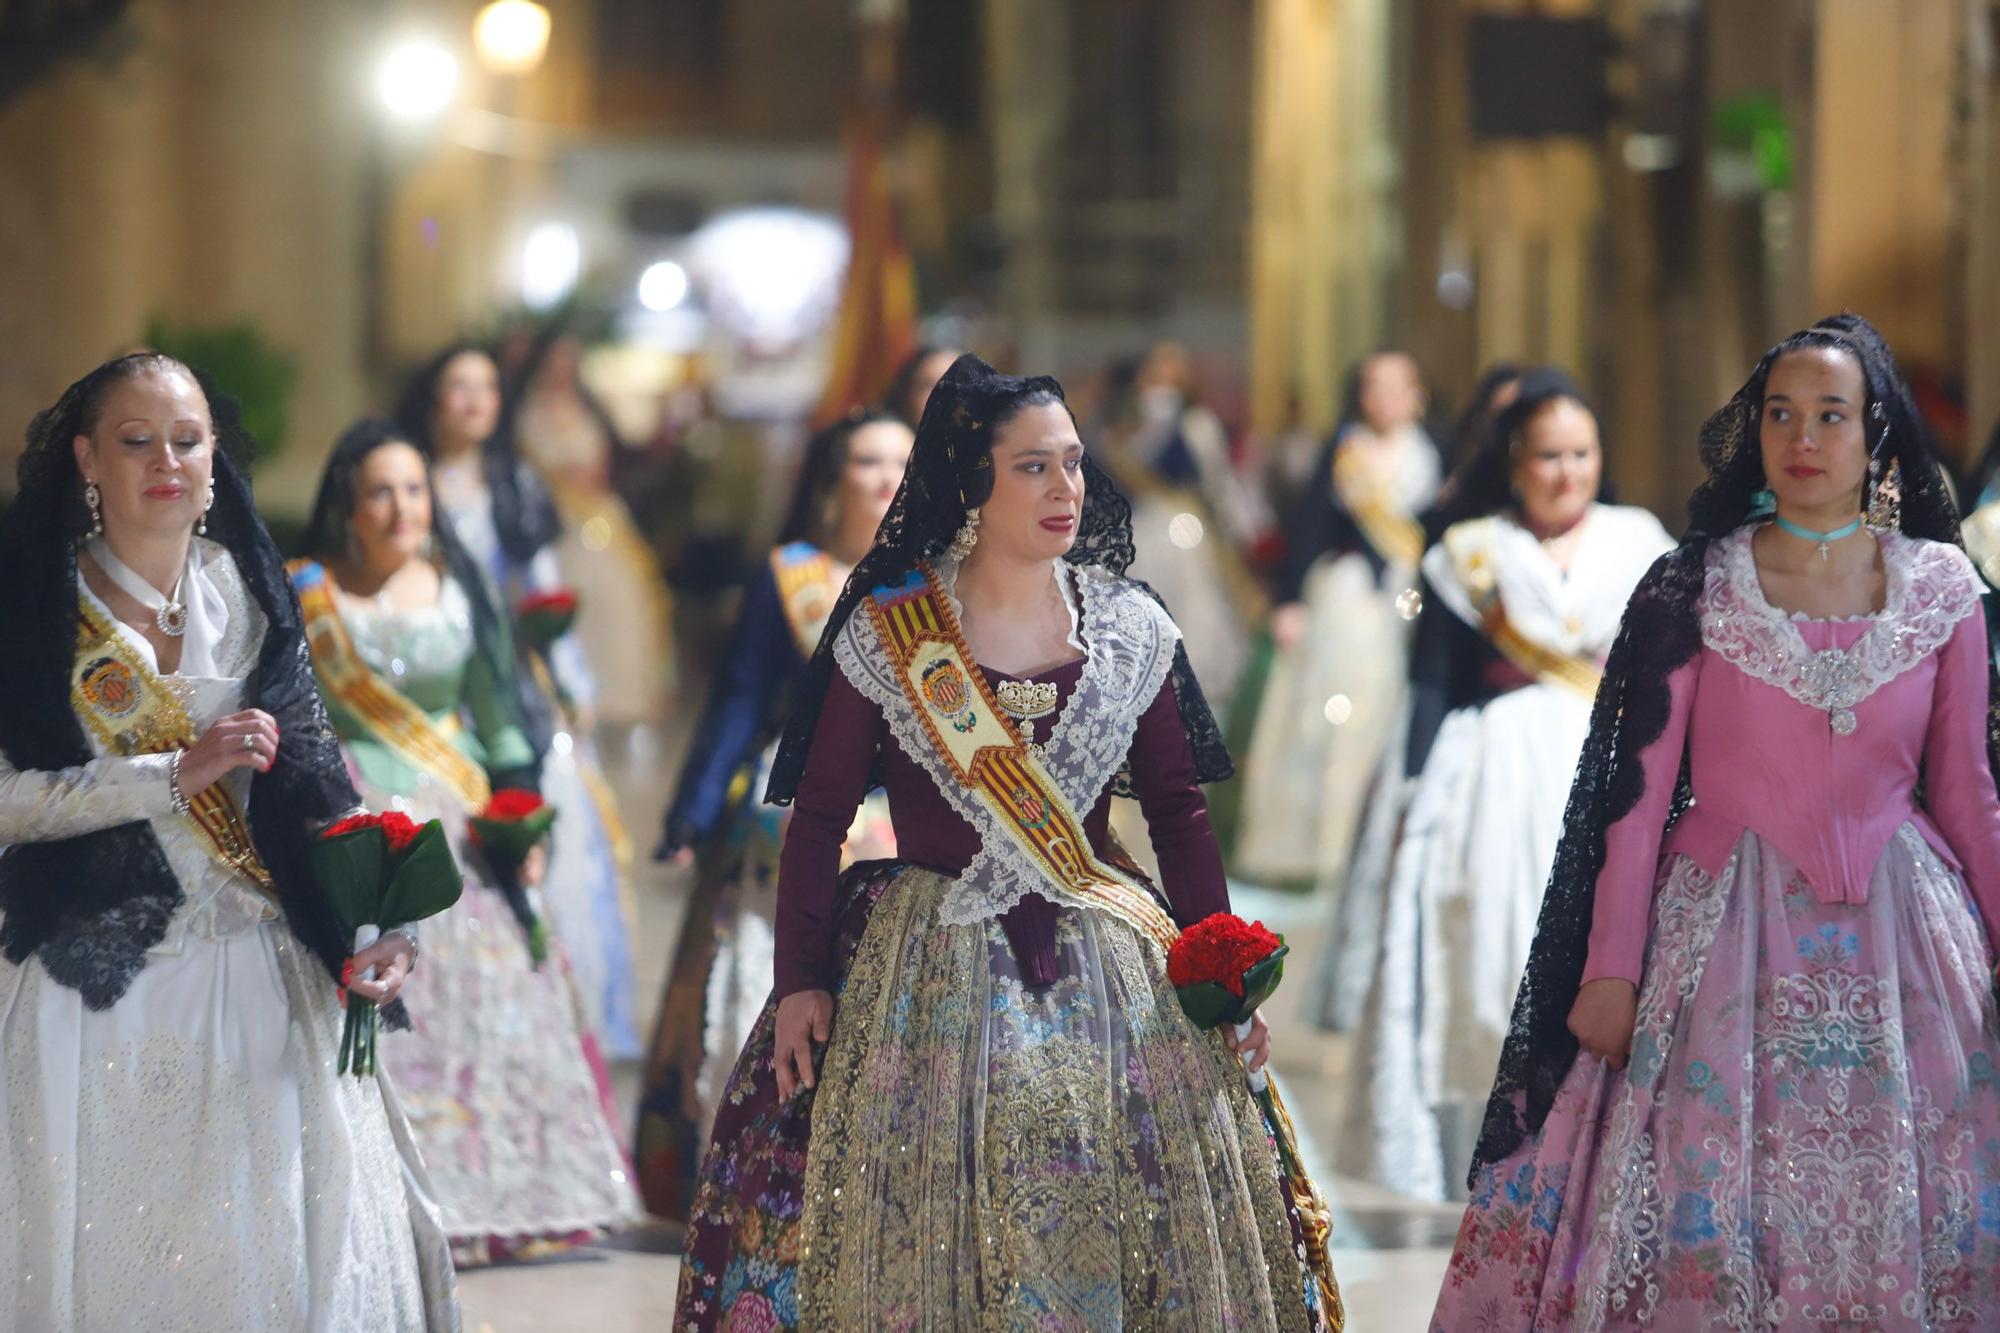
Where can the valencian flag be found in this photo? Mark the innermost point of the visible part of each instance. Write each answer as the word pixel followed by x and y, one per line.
pixel 877 324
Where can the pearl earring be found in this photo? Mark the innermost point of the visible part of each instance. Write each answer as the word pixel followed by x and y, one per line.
pixel 95 503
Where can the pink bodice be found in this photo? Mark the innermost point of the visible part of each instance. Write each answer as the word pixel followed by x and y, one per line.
pixel 1815 735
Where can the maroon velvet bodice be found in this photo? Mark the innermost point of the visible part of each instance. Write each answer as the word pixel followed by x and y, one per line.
pixel 930 833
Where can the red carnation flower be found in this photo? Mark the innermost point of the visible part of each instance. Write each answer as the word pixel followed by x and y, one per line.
pixel 1219 950
pixel 513 803
pixel 561 601
pixel 397 828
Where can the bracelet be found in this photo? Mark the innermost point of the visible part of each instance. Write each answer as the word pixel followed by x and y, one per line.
pixel 182 805
pixel 410 933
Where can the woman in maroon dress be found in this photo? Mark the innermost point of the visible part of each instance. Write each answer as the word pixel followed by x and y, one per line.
pixel 1011 1121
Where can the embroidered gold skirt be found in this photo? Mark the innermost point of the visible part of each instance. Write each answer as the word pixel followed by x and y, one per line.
pixel 986 1154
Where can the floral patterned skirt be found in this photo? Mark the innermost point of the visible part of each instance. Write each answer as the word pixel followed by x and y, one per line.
pixel 987 1154
pixel 1807 1136
pixel 506 1090
pixel 740 1267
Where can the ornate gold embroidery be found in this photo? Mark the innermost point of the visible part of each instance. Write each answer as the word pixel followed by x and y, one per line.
pixel 132 710
pixel 987 1154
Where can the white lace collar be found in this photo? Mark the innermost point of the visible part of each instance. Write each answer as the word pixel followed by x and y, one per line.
pixel 1130 651
pixel 1930 588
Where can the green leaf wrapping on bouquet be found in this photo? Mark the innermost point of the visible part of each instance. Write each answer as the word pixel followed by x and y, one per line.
pixel 1210 1004
pixel 510 840
pixel 350 870
pixel 425 880
pixel 541 625
pixel 369 880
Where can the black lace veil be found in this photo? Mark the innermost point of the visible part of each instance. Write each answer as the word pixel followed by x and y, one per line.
pixel 90 906
pixel 951 471
pixel 1659 633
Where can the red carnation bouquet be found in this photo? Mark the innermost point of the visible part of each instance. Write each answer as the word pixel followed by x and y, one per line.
pixel 513 824
pixel 1223 968
pixel 380 872
pixel 544 617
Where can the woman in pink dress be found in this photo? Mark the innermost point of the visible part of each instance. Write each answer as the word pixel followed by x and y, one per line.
pixel 1753 1080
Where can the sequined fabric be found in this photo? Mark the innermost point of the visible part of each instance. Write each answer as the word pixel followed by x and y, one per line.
pixel 740 1269
pixel 991 1154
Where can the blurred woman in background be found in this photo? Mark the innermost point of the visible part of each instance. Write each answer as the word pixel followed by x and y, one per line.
pixel 722 969
pixel 1522 596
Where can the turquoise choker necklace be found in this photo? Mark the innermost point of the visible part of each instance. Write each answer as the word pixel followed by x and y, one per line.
pixel 1825 539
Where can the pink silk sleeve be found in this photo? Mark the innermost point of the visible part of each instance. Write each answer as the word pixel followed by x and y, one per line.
pixel 1958 773
pixel 1632 846
pixel 1163 778
pixel 844 744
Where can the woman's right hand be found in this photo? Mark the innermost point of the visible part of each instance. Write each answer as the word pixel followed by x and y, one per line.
pixel 1605 1012
pixel 222 749
pixel 1288 625
pixel 804 1017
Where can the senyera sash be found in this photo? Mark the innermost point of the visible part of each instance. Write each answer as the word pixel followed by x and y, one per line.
pixel 392 719
pixel 981 749
pixel 132 711
pixel 807 590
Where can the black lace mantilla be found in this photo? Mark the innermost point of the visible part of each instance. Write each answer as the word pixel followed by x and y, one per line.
pixel 91 906
pixel 951 471
pixel 1661 631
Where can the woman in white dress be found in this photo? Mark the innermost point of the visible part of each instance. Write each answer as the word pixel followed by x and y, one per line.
pixel 624 619
pixel 503 513
pixel 176 1150
pixel 1336 687
pixel 1522 597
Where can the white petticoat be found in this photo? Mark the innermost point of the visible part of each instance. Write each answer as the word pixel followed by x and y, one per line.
pixel 1464 891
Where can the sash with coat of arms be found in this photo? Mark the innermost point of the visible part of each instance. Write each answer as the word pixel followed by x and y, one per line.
pixel 132 711
pixel 808 585
pixel 981 750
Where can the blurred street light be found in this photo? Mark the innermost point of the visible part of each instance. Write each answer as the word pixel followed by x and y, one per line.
pixel 551 261
pixel 663 285
pixel 417 79
pixel 511 36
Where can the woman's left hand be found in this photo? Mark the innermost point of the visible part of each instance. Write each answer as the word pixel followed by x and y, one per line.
pixel 1257 1045
pixel 390 957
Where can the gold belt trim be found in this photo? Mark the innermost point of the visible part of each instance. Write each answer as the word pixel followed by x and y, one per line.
pixel 1566 669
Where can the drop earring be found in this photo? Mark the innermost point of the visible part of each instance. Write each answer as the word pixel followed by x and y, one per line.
pixel 94 502
pixel 967 536
pixel 201 528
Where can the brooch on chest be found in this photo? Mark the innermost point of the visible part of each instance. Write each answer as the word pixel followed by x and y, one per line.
pixel 1025 702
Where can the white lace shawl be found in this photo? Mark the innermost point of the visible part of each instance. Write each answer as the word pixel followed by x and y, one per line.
pixel 1129 641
